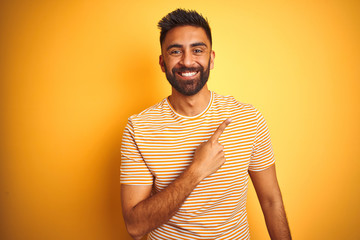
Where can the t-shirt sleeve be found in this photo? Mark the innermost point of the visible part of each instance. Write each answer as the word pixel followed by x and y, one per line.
pixel 262 156
pixel 133 169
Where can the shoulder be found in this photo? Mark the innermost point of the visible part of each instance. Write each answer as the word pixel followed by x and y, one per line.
pixel 149 112
pixel 230 103
pixel 244 112
pixel 151 116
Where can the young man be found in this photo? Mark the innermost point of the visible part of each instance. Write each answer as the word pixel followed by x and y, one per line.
pixel 186 160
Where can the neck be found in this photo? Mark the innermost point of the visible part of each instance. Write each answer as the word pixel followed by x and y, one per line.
pixel 190 105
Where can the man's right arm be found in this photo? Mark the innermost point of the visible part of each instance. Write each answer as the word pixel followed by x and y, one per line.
pixel 143 213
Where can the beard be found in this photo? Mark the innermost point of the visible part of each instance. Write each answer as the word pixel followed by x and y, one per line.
pixel 188 87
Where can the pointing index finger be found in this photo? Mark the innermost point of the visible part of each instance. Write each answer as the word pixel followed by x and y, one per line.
pixel 220 129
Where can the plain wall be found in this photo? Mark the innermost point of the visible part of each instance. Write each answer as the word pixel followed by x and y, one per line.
pixel 72 72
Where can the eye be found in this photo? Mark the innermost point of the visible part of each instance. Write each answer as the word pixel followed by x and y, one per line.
pixel 175 52
pixel 198 51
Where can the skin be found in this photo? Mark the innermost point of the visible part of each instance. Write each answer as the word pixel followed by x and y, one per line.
pixel 269 195
pixel 189 47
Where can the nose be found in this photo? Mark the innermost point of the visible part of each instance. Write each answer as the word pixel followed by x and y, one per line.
pixel 187 59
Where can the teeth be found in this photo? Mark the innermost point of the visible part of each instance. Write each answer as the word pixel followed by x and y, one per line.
pixel 188 74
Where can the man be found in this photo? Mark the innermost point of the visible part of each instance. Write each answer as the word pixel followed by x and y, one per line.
pixel 186 160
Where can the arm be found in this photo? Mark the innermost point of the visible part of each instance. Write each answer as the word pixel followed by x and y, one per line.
pixel 143 213
pixel 269 195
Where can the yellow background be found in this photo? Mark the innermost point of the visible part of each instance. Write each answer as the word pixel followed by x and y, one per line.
pixel 72 72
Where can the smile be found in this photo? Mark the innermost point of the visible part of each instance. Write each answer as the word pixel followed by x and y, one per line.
pixel 187 74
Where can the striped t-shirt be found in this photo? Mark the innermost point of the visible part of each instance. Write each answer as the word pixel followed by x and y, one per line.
pixel 159 143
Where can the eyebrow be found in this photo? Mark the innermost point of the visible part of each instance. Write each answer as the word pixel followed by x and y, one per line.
pixel 174 46
pixel 192 45
pixel 198 44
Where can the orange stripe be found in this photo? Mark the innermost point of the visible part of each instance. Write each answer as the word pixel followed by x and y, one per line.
pixel 158 144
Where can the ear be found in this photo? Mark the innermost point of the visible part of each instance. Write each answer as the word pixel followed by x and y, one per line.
pixel 161 62
pixel 212 57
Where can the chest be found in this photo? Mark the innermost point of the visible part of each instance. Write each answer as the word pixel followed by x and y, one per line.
pixel 168 149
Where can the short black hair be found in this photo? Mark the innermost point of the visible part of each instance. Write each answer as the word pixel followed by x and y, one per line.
pixel 182 17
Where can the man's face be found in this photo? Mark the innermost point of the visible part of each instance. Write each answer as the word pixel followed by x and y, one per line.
pixel 187 59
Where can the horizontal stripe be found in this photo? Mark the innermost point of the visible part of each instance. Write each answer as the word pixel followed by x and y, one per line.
pixel 158 144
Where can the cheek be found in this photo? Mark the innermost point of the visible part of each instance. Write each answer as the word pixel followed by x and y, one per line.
pixel 170 65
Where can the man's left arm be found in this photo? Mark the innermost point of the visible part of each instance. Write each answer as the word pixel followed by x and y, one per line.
pixel 269 195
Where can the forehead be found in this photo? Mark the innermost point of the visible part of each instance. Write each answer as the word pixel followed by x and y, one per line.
pixel 186 35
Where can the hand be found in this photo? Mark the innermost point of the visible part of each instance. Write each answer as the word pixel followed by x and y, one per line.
pixel 209 156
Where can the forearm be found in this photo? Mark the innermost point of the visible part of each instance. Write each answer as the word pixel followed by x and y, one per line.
pixel 276 221
pixel 159 208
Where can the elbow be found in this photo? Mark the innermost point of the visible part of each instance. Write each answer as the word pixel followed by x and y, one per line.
pixel 274 204
pixel 134 232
